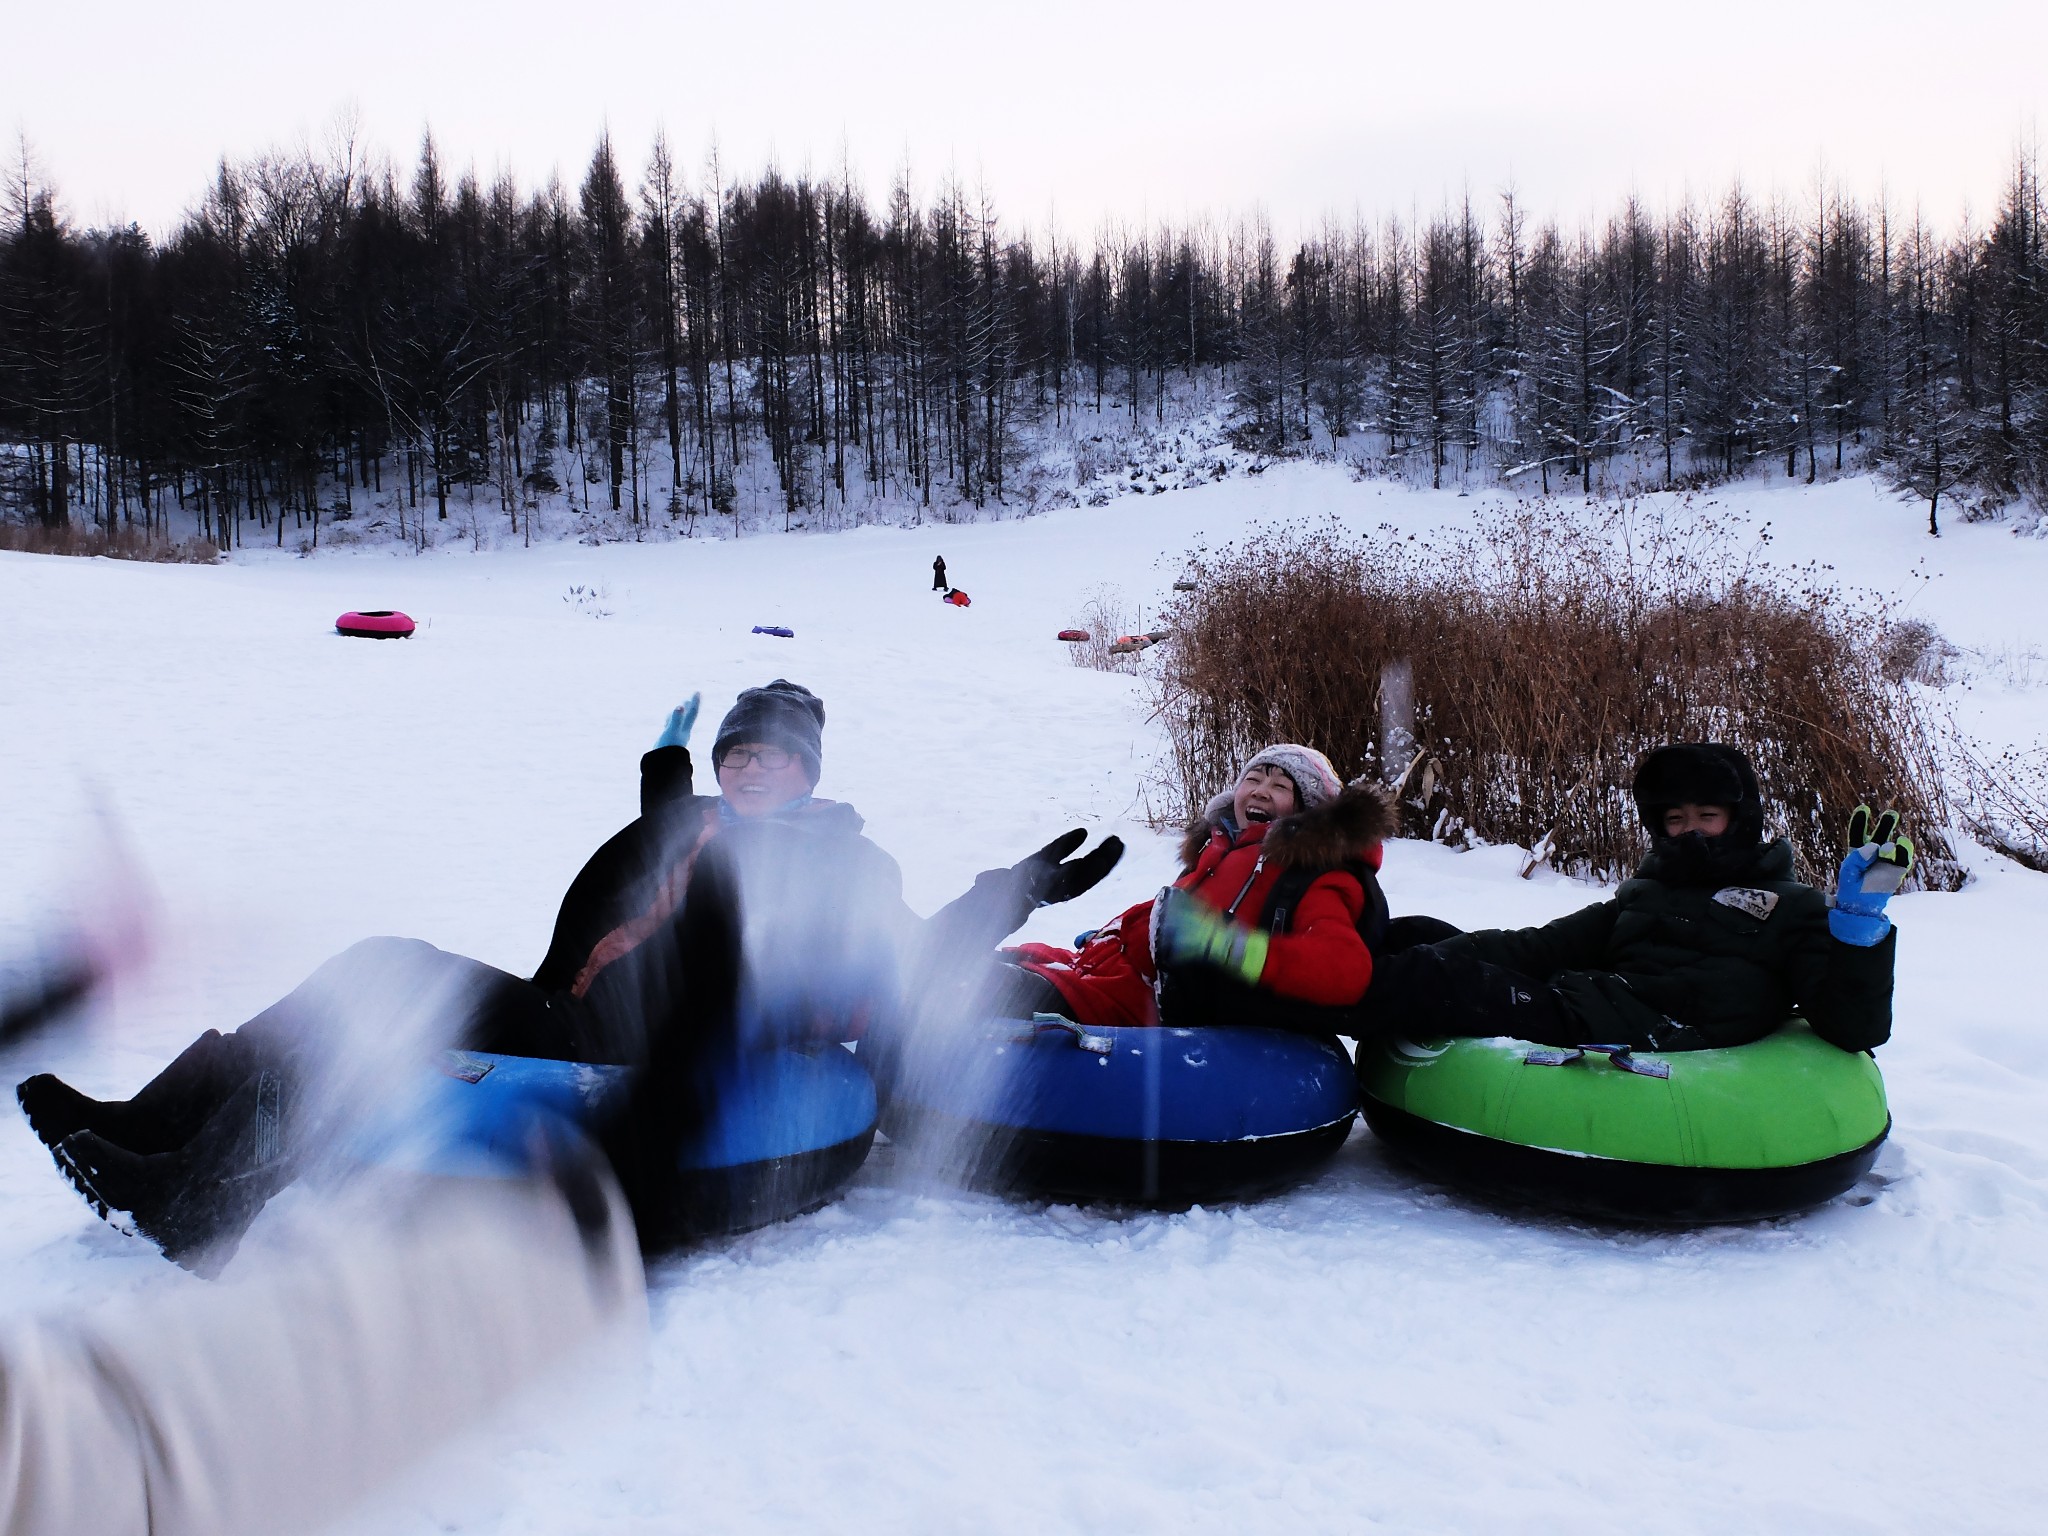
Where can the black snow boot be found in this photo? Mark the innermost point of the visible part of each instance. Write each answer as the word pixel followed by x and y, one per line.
pixel 55 1109
pixel 163 1116
pixel 196 1202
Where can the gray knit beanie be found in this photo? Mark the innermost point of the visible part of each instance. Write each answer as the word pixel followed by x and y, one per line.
pixel 783 714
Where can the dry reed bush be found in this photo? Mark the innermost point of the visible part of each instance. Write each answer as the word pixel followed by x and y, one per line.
pixel 1106 619
pixel 1543 659
pixel 1914 651
pixel 118 543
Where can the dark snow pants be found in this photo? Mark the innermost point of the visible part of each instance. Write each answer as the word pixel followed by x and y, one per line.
pixel 371 995
pixel 459 1001
pixel 1417 989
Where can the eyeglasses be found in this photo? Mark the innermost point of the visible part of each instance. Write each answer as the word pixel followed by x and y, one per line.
pixel 774 759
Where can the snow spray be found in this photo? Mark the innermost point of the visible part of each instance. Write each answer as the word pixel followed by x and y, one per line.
pixel 1397 719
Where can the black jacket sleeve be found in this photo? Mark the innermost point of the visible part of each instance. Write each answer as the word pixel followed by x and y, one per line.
pixel 976 921
pixel 666 776
pixel 1845 993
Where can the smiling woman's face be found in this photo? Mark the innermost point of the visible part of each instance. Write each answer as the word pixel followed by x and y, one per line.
pixel 1263 794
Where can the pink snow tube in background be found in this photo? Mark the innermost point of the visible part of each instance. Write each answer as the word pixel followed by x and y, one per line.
pixel 375 624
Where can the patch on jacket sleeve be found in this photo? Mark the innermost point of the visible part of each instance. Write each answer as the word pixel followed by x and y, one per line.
pixel 1758 904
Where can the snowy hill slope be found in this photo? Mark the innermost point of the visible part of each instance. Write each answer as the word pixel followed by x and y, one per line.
pixel 1368 1352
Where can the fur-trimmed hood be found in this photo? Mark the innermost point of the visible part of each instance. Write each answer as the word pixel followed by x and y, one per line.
pixel 1325 838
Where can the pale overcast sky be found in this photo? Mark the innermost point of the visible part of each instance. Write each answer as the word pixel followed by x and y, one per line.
pixel 1089 108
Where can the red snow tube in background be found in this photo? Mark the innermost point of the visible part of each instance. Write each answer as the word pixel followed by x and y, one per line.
pixel 1073 636
pixel 957 598
pixel 375 624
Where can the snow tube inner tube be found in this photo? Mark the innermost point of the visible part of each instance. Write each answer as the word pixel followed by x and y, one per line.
pixel 375 624
pixel 789 1129
pixel 1684 1138
pixel 1073 635
pixel 1133 1116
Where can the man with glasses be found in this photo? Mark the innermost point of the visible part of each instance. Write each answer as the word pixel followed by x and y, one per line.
pixel 827 944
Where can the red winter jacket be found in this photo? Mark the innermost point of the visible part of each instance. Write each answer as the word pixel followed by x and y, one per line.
pixel 1319 959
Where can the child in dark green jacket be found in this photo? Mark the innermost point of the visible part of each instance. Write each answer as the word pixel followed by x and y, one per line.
pixel 1712 943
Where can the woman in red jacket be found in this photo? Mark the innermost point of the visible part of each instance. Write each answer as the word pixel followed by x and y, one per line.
pixel 1269 922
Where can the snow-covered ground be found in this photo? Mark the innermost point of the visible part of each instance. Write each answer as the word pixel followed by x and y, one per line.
pixel 1368 1352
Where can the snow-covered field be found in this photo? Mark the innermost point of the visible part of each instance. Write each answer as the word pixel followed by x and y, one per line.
pixel 1366 1353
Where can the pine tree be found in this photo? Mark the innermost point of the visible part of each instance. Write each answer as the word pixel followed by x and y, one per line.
pixel 1934 447
pixel 607 307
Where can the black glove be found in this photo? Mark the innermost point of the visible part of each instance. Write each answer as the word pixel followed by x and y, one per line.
pixel 1001 899
pixel 1044 880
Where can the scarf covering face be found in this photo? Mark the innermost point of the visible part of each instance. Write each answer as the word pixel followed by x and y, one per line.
pixel 1696 859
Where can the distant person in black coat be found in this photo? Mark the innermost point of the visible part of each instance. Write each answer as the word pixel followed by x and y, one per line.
pixel 939 574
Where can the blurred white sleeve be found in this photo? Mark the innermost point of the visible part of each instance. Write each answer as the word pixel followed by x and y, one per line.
pixel 274 1402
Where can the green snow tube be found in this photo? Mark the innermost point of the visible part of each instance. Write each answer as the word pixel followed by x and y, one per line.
pixel 1685 1137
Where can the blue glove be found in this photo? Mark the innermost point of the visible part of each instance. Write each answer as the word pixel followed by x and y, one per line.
pixel 1876 865
pixel 681 721
pixel 1186 930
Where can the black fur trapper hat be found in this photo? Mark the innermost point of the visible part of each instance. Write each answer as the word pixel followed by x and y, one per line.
pixel 1700 773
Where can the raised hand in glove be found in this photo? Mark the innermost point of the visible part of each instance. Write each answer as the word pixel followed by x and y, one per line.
pixel 681 721
pixel 972 924
pixel 1877 863
pixel 1049 877
pixel 1190 932
pixel 667 777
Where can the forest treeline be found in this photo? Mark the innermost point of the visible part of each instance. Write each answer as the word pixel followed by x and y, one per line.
pixel 314 327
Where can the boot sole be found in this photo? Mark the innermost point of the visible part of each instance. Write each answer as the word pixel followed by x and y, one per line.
pixel 120 1220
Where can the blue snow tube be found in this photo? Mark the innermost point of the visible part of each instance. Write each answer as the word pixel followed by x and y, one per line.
pixel 1143 1116
pixel 790 1127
